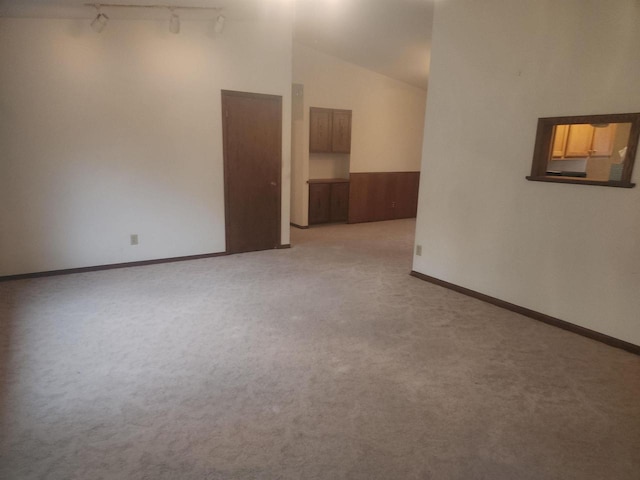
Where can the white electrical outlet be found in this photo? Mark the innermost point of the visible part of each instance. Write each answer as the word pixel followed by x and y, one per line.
pixel 418 250
pixel 134 239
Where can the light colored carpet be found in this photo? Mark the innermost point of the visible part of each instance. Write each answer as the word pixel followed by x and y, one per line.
pixel 326 361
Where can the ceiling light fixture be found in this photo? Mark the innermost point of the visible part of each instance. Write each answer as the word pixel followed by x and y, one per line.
pixel 174 22
pixel 219 25
pixel 100 21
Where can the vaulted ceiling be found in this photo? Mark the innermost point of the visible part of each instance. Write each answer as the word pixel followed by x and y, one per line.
pixel 391 37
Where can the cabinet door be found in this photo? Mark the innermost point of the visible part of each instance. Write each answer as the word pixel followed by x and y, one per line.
pixel 341 138
pixel 320 130
pixel 319 203
pixel 339 202
pixel 559 140
pixel 603 138
pixel 579 140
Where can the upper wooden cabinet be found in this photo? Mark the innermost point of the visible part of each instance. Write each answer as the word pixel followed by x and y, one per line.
pixel 320 131
pixel 603 139
pixel 559 141
pixel 579 141
pixel 329 130
pixel 341 131
pixel 582 140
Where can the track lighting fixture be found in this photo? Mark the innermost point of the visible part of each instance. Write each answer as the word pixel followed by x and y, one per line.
pixel 174 22
pixel 100 21
pixel 219 25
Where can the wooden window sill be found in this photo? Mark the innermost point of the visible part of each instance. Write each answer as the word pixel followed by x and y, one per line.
pixel 580 181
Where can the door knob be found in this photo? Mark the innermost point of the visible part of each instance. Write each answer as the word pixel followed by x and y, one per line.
pixel 273 184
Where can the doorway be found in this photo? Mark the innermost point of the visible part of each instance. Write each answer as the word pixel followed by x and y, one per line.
pixel 252 149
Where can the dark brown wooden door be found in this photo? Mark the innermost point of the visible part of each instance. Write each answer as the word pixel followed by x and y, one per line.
pixel 252 138
pixel 320 130
pixel 339 202
pixel 341 128
pixel 319 203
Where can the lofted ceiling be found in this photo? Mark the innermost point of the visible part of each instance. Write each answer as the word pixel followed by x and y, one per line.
pixel 391 37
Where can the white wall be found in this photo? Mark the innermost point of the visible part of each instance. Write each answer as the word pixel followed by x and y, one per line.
pixel 569 251
pixel 387 121
pixel 105 135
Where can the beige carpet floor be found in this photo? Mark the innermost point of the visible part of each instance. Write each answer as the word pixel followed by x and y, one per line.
pixel 326 361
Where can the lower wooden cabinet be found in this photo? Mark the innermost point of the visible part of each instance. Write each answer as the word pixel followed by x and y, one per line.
pixel 365 197
pixel 328 200
pixel 339 202
pixel 319 203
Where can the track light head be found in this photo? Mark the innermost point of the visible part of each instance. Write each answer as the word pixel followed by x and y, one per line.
pixel 219 25
pixel 174 23
pixel 100 21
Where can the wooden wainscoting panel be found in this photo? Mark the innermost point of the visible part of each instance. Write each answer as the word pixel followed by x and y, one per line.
pixel 360 197
pixel 376 196
pixel 406 194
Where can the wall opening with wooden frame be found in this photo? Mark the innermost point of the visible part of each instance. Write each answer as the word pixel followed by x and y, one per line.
pixel 586 149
